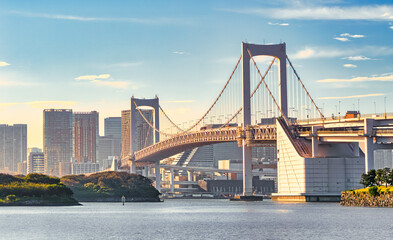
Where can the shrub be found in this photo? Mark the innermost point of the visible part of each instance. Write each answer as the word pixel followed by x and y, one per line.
pixel 41 178
pixel 10 198
pixel 6 178
pixel 373 191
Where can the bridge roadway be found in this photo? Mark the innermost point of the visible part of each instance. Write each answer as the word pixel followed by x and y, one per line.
pixel 333 130
pixel 265 135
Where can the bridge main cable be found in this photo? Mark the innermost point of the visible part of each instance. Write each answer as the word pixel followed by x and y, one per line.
pixel 267 87
pixel 304 87
pixel 211 107
pixel 252 94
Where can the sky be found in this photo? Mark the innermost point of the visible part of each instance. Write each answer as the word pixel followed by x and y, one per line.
pixel 94 55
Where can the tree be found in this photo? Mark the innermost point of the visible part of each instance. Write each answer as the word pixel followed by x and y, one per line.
pixel 41 178
pixel 382 176
pixel 390 177
pixel 385 176
pixel 368 179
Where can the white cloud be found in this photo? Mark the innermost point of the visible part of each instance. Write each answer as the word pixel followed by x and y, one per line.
pixel 350 65
pixel 342 39
pixel 6 83
pixel 178 52
pixel 381 78
pixel 104 80
pixel 330 52
pixel 7 104
pixel 357 58
pixel 316 52
pixel 355 96
pixel 391 27
pixel 153 21
pixel 365 12
pixel 93 77
pixel 352 36
pixel 278 24
pixel 3 64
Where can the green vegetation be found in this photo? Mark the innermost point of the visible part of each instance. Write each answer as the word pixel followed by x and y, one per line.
pixel 111 186
pixel 379 177
pixel 34 189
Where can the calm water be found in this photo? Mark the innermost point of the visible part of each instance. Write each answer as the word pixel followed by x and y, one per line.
pixel 197 219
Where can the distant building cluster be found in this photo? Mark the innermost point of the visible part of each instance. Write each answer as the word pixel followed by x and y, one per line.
pixel 72 144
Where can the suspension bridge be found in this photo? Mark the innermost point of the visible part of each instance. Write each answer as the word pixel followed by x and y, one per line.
pixel 317 157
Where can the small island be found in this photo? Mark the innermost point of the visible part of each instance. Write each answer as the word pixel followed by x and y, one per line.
pixel 378 191
pixel 111 187
pixel 41 190
pixel 34 190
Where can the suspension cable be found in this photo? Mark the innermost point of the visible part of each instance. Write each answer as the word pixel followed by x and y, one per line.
pixel 214 103
pixel 252 94
pixel 174 124
pixel 151 125
pixel 267 88
pixel 308 94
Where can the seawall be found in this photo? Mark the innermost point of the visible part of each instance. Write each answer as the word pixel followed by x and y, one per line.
pixel 364 199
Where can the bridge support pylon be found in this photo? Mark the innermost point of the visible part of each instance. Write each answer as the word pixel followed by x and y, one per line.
pixel 278 51
pixel 134 142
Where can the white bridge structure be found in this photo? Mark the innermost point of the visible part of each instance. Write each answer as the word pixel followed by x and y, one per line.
pixel 317 157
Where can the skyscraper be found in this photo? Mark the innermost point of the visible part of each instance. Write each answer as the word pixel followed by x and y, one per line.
pixel 57 139
pixel 85 136
pixel 36 162
pixel 113 127
pixel 143 132
pixel 125 132
pixel 13 146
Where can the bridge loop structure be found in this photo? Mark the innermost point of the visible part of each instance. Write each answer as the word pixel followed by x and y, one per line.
pixel 278 111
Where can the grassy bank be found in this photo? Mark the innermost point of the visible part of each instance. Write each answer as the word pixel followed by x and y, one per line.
pixel 33 190
pixel 111 187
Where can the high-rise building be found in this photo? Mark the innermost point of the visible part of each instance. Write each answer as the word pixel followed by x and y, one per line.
pixel 143 132
pixel 57 139
pixel 107 146
pixel 13 146
pixel 110 144
pixel 113 127
pixel 35 163
pixel 125 132
pixel 85 136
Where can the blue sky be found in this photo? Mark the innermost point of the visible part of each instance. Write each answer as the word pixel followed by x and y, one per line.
pixel 94 55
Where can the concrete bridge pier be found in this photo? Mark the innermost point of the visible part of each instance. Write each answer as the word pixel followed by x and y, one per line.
pixel 158 175
pixel 172 182
pixel 132 167
pixel 368 147
pixel 314 141
pixel 145 171
pixel 190 175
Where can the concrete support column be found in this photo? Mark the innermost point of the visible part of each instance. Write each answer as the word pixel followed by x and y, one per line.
pixel 190 175
pixel 145 171
pixel 314 140
pixel 247 170
pixel 356 149
pixel 369 153
pixel 369 144
pixel 158 176
pixel 172 181
pixel 132 167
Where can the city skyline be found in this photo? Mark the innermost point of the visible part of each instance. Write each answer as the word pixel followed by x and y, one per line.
pixel 100 54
